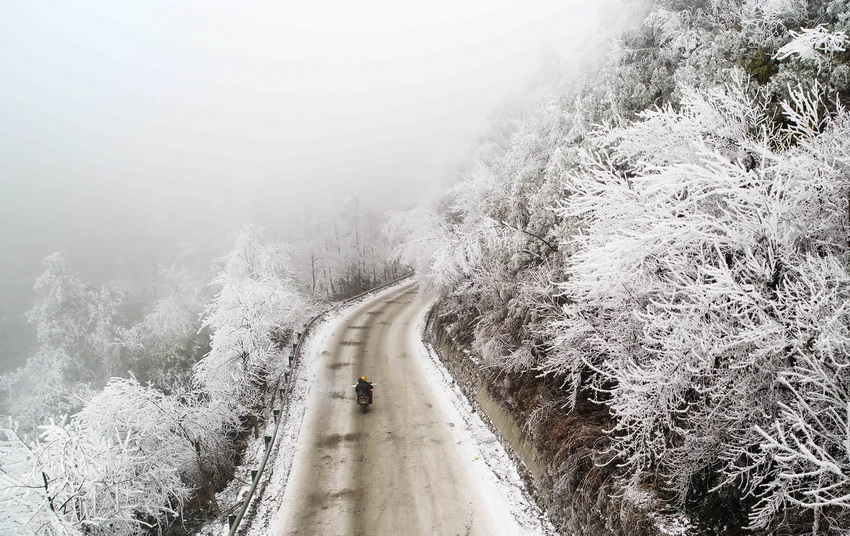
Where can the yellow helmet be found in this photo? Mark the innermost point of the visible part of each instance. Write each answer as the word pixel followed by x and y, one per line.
pixel 363 378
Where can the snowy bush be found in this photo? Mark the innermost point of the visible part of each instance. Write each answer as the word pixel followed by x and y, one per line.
pixel 813 45
pixel 25 506
pixel 122 464
pixel 710 262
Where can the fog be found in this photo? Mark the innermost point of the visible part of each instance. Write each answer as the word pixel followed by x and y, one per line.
pixel 131 131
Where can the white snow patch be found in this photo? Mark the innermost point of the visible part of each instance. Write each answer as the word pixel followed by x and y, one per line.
pixel 498 479
pixel 673 524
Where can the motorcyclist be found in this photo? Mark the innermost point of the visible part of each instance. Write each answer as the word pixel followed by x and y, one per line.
pixel 364 386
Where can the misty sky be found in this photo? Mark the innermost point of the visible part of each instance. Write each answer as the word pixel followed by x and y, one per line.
pixel 128 129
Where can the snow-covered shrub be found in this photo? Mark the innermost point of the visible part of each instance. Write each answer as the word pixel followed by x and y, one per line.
pixel 25 504
pixel 712 255
pixel 814 45
pixel 122 464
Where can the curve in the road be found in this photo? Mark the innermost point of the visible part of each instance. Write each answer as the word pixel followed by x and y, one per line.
pixel 397 469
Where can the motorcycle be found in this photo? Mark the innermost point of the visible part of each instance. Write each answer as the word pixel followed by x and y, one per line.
pixel 363 400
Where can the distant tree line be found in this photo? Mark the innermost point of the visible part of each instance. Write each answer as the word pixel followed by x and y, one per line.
pixel 345 253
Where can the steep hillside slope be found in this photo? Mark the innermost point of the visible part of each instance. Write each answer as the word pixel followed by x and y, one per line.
pixel 650 266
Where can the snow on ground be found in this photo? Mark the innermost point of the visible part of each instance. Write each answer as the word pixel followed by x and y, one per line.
pixel 268 503
pixel 495 469
pixel 265 501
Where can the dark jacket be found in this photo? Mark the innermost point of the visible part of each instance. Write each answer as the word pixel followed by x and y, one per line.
pixel 365 388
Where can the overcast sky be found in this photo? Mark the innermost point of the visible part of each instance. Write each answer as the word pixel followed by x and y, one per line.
pixel 128 128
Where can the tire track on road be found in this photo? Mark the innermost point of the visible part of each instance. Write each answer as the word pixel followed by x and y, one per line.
pixel 395 469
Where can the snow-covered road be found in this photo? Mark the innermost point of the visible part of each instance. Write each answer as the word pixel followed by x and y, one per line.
pixel 416 463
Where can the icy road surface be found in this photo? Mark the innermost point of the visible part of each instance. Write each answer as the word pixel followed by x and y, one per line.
pixel 415 464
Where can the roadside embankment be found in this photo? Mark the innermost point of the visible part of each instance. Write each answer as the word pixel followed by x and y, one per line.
pixel 560 454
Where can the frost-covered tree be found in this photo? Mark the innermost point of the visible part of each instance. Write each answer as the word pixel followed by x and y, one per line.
pixel 25 503
pixel 343 252
pixel 123 464
pixel 445 246
pixel 711 256
pixel 164 347
pixel 76 318
pixel 423 240
pixel 77 328
pixel 257 303
pixel 492 244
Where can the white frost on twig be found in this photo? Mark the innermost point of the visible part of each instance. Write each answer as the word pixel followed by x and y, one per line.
pixel 813 44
